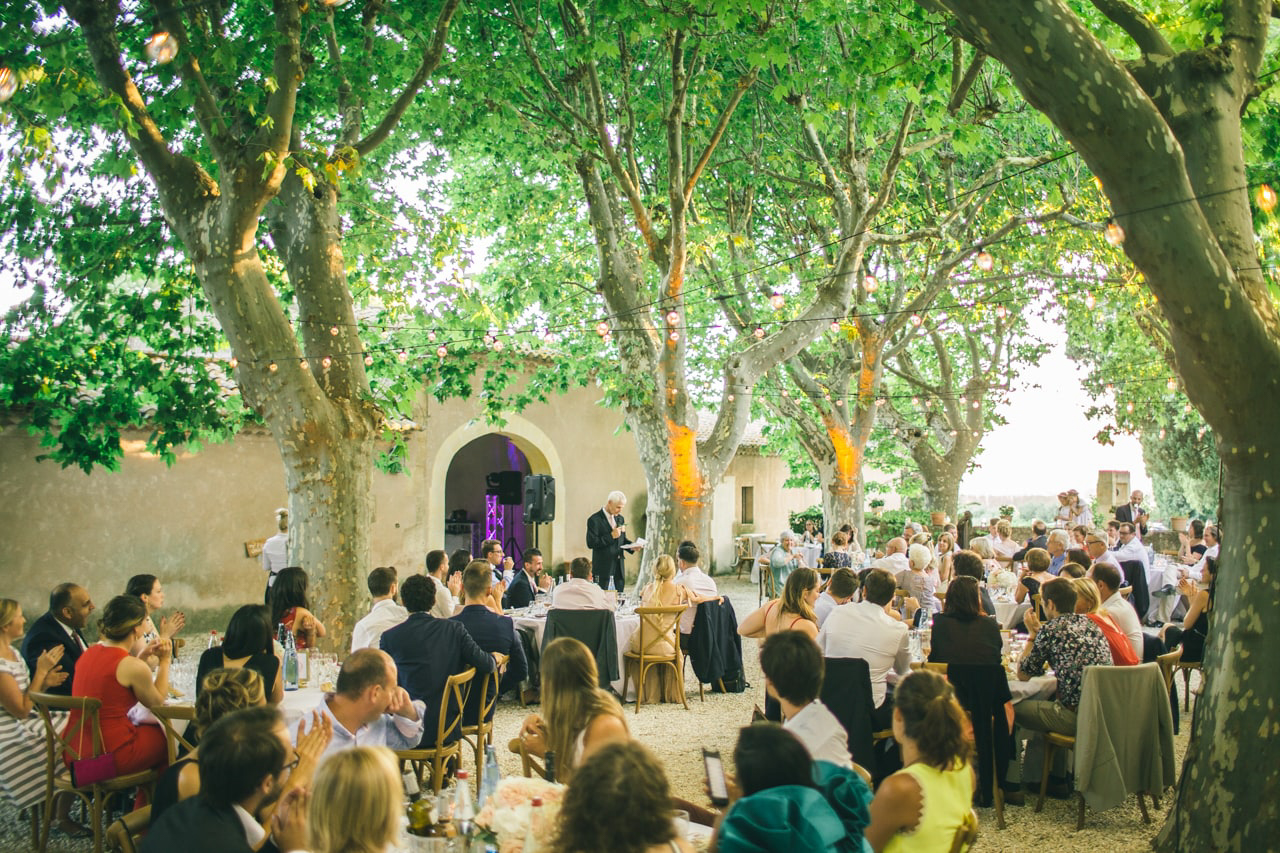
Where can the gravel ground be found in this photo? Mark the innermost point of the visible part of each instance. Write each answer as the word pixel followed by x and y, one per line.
pixel 677 736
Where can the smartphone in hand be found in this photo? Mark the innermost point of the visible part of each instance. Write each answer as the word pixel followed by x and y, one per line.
pixel 716 783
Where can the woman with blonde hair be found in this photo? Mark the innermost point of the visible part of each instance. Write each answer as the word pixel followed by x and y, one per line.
pixel 946 555
pixel 356 802
pixel 275 551
pixel 1089 603
pixel 580 717
pixel 663 683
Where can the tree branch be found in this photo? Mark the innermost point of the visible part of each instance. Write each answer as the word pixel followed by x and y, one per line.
pixel 208 116
pixel 1144 33
pixel 741 89
pixel 960 91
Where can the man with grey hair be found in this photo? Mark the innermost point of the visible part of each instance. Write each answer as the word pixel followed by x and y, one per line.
pixel 782 561
pixel 1057 543
pixel 607 539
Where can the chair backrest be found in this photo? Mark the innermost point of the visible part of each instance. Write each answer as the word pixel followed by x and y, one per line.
pixel 1166 662
pixel 1135 576
pixel 166 714
pixel 846 691
pixel 68 741
pixel 966 833
pixel 1125 591
pixel 940 668
pixel 596 630
pixel 982 690
pixel 126 831
pixel 456 689
pixel 489 687
pixel 657 625
pixel 1124 734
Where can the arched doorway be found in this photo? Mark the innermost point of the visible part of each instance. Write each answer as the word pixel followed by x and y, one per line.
pixel 483 496
pixel 458 482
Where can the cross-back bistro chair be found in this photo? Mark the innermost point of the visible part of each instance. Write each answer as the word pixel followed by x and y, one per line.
pixel 456 690
pixel 657 625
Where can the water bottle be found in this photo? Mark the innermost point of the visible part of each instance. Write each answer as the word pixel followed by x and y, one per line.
pixel 290 662
pixel 532 843
pixel 611 587
pixel 464 812
pixel 492 774
pixel 214 641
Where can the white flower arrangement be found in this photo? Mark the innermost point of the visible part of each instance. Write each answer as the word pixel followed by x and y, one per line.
pixel 505 818
pixel 1004 581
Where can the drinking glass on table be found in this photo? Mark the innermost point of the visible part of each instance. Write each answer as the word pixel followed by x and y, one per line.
pixel 680 820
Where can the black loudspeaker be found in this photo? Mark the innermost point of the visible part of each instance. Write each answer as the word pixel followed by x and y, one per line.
pixel 539 498
pixel 504 484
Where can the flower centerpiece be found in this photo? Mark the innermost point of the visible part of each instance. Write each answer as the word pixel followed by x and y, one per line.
pixel 504 819
pixel 1003 581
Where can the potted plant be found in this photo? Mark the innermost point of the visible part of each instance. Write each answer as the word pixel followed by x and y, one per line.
pixel 1006 512
pixel 938 518
pixel 876 505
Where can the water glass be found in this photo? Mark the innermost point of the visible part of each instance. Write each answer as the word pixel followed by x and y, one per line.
pixel 680 820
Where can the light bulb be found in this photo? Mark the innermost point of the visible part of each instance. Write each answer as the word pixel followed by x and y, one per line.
pixel 984 261
pixel 1089 301
pixel 442 350
pixel 777 301
pixel 1001 312
pixel 839 402
pixel 1128 407
pixel 953 433
pixel 273 367
pixel 870 285
pixel 835 327
pixel 759 333
pixel 488 340
pixel 1162 433
pixel 161 48
pixel 333 330
pixel 498 345
pixel 368 361
pixel 786 393
pixel 675 336
pixel 731 398
pixel 402 356
pixel 1187 408
pixel 1113 233
pixel 431 335
pixel 1172 384
pixel 602 328
pixel 916 319
pixel 673 317
pixel 8 84
pixel 326 362
pixel 880 402
pixel 234 361
pixel 1266 196
pixel 964 401
pixel 915 401
pixel 1200 433
pixel 975 433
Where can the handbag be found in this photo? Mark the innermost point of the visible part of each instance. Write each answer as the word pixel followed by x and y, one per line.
pixel 91 771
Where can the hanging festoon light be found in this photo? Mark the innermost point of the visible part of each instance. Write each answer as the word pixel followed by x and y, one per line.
pixel 488 340
pixel 333 330
pixel 777 300
pixel 870 284
pixel 1266 197
pixel 835 327
pixel 368 361
pixel 1172 384
pixel 1001 312
pixel 273 367
pixel 1113 233
pixel 442 350
pixel 326 362
pixel 759 333
pixel 916 319
pixel 161 48
pixel 498 345
pixel 602 328
pixel 675 336
pixel 984 261
pixel 1162 433
pixel 431 335
pixel 1128 407
pixel 233 362
pixel 1089 300
pixel 1187 408
pixel 8 84
pixel 673 317
pixel 402 356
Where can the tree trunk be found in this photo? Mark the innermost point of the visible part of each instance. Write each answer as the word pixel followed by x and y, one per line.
pixel 1229 791
pixel 942 492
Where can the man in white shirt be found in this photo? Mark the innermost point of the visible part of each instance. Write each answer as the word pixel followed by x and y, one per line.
pixel 1210 552
pixel 447 591
pixel 840 589
pixel 579 592
pixel 864 630
pixel 699 583
pixel 1109 579
pixel 499 563
pixel 894 560
pixel 1096 547
pixel 1131 547
pixel 384 614
pixel 369 708
pixel 792 668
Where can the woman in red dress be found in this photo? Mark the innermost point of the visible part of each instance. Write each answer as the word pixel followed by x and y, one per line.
pixel 289 607
pixel 110 672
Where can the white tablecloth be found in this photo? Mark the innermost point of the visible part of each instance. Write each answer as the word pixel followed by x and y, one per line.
pixel 626 625
pixel 1039 687
pixel 1010 613
pixel 298 703
pixel 812 554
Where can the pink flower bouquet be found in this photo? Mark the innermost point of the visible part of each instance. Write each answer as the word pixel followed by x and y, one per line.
pixel 505 818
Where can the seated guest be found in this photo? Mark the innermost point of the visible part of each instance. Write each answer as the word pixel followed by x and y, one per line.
pixel 528 582
pixel 968 564
pixel 499 563
pixel 289 607
pixel 1067 642
pixel 1212 540
pixel 247 644
pixel 782 560
pixel 1109 580
pixel 493 633
pixel 356 803
pixel 580 717
pixel 1131 547
pixel 1193 545
pixel 579 592
pixel 895 560
pixel 1002 543
pixel 384 613
pixel 838 556
pixel 1113 534
pixel 1079 556
pixel 840 589
pixel 1036 575
pixel 368 707
pixel 920 807
pixel 1089 603
pixel 784 801
pixel 448 589
pixel 114 673
pixel 60 627
pixel 626 782
pixel 919 582
pixel 149 591
pixel 1096 547
pixel 427 650
pixel 22 734
pixel 1073 571
pixel 961 634
pixel 864 630
pixel 981 545
pixel 662 683
pixel 946 555
pixel 1057 542
pixel 243 759
pixel 793 671
pixel 701 586
pixel 1039 539
pixel 792 612
pixel 1194 630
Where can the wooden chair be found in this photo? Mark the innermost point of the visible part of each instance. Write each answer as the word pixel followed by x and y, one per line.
pixel 481 734
pixel 125 833
pixel 1185 667
pixel 1052 743
pixel 1168 663
pixel 60 745
pixel 456 690
pixel 863 772
pixel 657 625
pixel 742 554
pixel 966 833
pixel 1124 591
pixel 166 714
pixel 530 766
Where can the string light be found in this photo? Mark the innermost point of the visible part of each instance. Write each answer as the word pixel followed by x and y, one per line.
pixel 675 336
pixel 984 261
pixel 233 362
pixel 1113 233
pixel 835 327
pixel 731 398
pixel 402 356
pixel 8 84
pixel 431 336
pixel 368 361
pixel 1172 384
pixel 602 328
pixel 916 319
pixel 442 350
pixel 777 301
pixel 1001 312
pixel 333 330
pixel 673 317
pixel 1187 408
pixel 1200 433
pixel 1162 433
pixel 326 362
pixel 839 402
pixel 161 48
pixel 1089 301
pixel 1266 197
pixel 488 340
pixel 273 367
pixel 498 345
pixel 870 284
pixel 1128 407
pixel 759 333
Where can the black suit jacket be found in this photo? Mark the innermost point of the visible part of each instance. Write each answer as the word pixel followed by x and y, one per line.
pixel 519 594
pixel 493 633
pixel 1041 541
pixel 45 633
pixel 1124 512
pixel 976 641
pixel 606 552
pixel 195 826
pixel 427 651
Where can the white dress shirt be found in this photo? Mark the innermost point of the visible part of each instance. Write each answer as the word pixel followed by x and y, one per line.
pixel 894 564
pixel 864 630
pixel 701 585
pixel 253 831
pixel 1109 557
pixel 1004 547
pixel 389 730
pixel 275 555
pixel 1126 619
pixel 368 631
pixel 445 602
pixel 1196 571
pixel 580 594
pixel 1134 550
pixel 821 733
pixel 823 606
